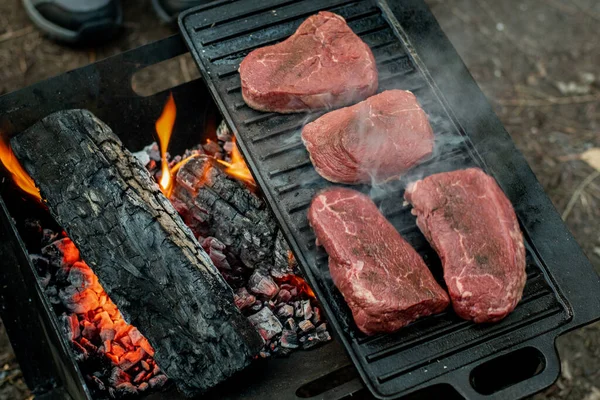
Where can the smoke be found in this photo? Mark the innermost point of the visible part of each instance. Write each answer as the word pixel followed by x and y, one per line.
pixel 452 148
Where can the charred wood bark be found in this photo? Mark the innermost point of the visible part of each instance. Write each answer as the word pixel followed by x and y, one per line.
pixel 145 257
pixel 215 205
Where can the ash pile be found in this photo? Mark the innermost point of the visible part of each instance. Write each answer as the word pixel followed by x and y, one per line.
pixel 217 198
pixel 114 357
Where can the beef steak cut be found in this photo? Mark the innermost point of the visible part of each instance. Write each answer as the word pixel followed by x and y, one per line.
pixel 471 224
pixel 322 65
pixel 374 140
pixel 382 278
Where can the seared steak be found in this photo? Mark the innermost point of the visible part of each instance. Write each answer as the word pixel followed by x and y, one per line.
pixel 382 278
pixel 374 140
pixel 322 65
pixel 471 224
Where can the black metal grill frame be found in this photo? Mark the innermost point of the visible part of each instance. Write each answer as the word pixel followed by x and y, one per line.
pixel 411 53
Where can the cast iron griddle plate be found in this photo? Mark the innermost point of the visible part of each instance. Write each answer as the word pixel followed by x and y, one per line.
pixel 437 349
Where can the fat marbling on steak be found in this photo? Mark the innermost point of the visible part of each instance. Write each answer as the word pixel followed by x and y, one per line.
pixel 322 65
pixel 382 278
pixel 472 225
pixel 375 140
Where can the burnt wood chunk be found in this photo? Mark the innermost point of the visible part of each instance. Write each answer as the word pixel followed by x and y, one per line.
pixel 145 257
pixel 215 205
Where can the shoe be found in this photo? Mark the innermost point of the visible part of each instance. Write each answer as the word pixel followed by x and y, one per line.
pixel 168 10
pixel 76 21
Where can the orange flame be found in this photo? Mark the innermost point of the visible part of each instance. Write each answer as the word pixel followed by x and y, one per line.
pixel 19 175
pixel 237 168
pixel 181 163
pixel 300 283
pixel 164 129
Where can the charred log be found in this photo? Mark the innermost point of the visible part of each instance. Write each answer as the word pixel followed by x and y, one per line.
pixel 144 256
pixel 215 205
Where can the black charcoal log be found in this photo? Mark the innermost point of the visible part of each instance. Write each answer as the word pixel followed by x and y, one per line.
pixel 215 205
pixel 144 256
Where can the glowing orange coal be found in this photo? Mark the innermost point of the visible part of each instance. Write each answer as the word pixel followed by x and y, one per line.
pixel 237 168
pixel 300 283
pixel 98 326
pixel 21 178
pixel 69 251
pixel 164 129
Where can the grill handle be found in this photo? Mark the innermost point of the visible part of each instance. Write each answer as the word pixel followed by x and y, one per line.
pixel 542 347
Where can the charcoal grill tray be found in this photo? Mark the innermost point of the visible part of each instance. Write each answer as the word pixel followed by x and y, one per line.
pixel 411 53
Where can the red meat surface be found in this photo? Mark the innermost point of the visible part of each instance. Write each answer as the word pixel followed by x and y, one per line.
pixel 382 278
pixel 322 65
pixel 472 225
pixel 375 140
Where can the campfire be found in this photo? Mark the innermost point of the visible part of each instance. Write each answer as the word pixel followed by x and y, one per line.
pixel 214 192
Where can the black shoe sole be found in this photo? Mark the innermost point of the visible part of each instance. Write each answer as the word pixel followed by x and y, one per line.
pixel 93 32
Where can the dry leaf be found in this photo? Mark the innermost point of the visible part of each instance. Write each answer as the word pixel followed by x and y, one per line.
pixel 592 157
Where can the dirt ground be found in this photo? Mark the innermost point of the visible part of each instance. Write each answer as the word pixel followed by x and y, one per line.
pixel 536 60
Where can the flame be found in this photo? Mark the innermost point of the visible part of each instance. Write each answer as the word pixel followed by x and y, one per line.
pixel 237 168
pixel 19 175
pixel 300 283
pixel 164 129
pixel 181 163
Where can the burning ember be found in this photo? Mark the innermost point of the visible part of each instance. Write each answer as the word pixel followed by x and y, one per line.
pixel 115 357
pixel 20 177
pixel 300 283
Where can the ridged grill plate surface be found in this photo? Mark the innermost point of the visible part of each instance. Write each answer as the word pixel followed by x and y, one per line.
pixel 219 37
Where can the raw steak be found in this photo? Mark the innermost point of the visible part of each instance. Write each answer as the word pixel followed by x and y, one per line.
pixel 383 279
pixel 374 140
pixel 471 224
pixel 322 65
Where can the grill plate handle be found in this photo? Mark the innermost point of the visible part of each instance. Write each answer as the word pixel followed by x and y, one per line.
pixel 538 357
